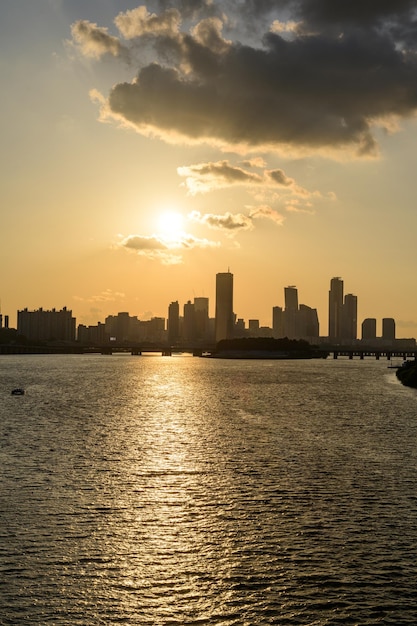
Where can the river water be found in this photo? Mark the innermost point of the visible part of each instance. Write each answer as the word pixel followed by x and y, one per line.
pixel 178 490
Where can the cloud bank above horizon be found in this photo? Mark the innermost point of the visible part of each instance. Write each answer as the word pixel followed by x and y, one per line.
pixel 322 77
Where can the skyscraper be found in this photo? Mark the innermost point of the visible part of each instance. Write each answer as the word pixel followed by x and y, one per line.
pixel 350 317
pixel 277 321
pixel 369 328
pixel 291 312
pixel 201 310
pixel 173 322
pixel 188 324
pixel 308 323
pixel 224 306
pixel 388 328
pixel 335 308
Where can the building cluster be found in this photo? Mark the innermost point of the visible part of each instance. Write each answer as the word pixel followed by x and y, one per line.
pixel 193 325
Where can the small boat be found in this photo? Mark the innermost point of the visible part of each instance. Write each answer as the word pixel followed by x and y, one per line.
pixel 18 391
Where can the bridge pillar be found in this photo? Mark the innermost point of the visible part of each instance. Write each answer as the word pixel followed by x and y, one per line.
pixel 377 354
pixel 361 356
pixel 335 354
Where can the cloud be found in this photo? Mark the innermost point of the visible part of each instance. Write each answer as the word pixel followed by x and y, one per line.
pixel 165 249
pixel 205 177
pixel 405 323
pixel 320 80
pixel 284 27
pixel 104 296
pixel 228 221
pixel 95 42
pixel 280 178
pixel 238 221
pixel 267 212
pixel 139 21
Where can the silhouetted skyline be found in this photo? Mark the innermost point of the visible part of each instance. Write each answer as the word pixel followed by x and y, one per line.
pixel 192 321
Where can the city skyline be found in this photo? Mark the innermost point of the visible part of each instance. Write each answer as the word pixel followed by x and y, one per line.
pixel 294 319
pixel 147 148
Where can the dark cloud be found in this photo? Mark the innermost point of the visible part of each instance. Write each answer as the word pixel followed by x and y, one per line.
pixel 347 12
pixel 280 178
pixel 191 8
pixel 322 79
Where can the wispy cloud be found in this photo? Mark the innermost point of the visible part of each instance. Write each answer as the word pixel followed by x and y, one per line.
pixel 236 222
pixel 164 249
pixel 204 177
pixel 210 176
pixel 268 213
pixel 227 221
pixel 104 296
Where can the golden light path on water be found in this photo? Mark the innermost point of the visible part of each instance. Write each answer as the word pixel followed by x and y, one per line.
pixel 176 490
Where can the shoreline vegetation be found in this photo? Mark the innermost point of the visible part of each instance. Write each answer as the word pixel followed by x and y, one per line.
pixel 267 348
pixel 407 374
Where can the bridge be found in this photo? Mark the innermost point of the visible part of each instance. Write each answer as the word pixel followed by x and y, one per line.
pixel 359 352
pixel 142 349
pixel 377 353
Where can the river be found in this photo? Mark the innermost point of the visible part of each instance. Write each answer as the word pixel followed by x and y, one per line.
pixel 180 490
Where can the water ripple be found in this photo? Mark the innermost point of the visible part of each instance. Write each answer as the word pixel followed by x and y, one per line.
pixel 188 491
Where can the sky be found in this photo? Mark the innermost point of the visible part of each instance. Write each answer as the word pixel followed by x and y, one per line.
pixel 147 147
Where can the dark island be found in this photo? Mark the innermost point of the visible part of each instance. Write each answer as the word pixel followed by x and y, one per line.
pixel 266 348
pixel 407 374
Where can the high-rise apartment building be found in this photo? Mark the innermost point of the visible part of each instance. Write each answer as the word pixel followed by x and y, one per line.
pixel 308 323
pixel 224 306
pixel 188 322
pixel 350 317
pixel 388 328
pixel 291 312
pixel 277 322
pixel 369 328
pixel 335 308
pixel 43 325
pixel 201 312
pixel 173 322
pixel 92 335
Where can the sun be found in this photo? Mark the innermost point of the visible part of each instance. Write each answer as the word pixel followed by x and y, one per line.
pixel 171 224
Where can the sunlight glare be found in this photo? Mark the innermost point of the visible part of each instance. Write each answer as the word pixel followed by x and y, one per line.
pixel 170 224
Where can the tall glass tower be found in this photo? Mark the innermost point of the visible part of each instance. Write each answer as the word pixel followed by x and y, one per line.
pixel 291 312
pixel 224 306
pixel 335 308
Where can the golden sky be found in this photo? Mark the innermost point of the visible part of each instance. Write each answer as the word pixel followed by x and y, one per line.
pixel 147 147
